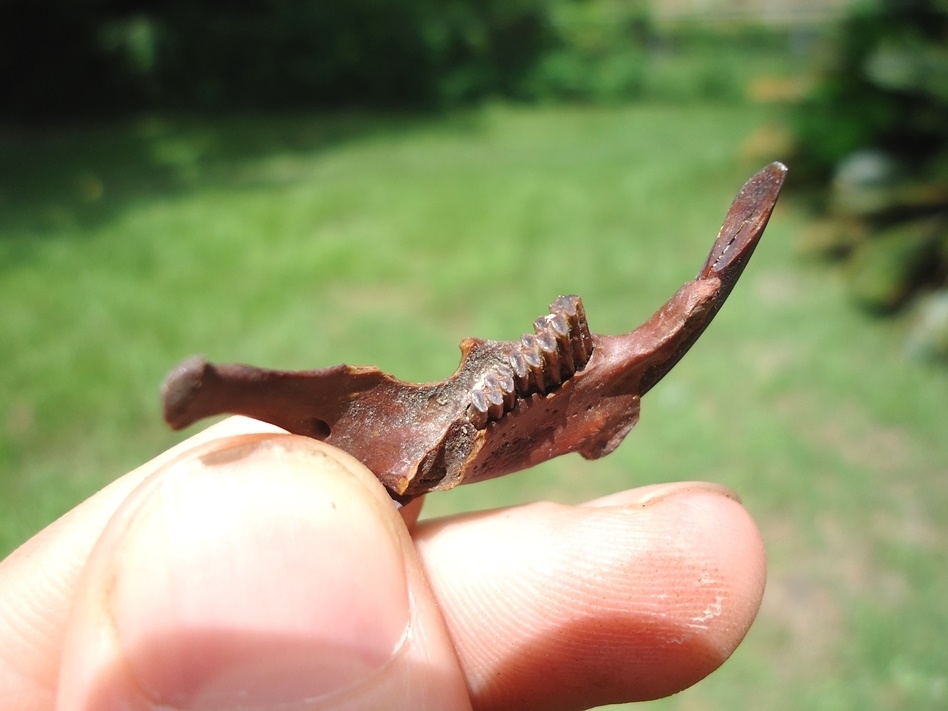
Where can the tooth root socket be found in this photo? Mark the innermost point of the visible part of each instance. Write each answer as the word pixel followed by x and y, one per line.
pixel 540 362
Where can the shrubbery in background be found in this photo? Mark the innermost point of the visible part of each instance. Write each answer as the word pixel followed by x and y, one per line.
pixel 884 85
pixel 599 52
pixel 63 58
pixel 66 60
pixel 873 138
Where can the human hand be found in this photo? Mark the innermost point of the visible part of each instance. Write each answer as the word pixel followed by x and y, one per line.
pixel 252 569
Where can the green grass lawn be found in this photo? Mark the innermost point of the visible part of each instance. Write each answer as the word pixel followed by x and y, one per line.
pixel 303 241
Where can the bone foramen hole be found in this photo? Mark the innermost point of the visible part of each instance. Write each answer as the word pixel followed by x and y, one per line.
pixel 319 429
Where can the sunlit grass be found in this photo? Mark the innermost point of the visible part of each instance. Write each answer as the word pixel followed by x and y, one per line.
pixel 302 241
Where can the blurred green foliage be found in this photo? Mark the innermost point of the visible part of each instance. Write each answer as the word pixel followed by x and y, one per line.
pixel 873 140
pixel 600 52
pixel 99 56
pixel 102 58
pixel 884 85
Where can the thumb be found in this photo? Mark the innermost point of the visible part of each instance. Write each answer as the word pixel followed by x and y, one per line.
pixel 257 572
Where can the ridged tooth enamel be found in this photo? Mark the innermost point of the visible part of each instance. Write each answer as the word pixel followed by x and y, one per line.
pixel 505 377
pixel 477 410
pixel 559 324
pixel 495 396
pixel 540 362
pixel 551 357
pixel 560 328
pixel 521 374
pixel 534 358
pixel 571 307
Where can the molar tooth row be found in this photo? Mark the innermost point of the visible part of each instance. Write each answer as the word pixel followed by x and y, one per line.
pixel 560 345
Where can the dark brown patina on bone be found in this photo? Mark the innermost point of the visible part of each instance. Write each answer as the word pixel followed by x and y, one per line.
pixel 511 404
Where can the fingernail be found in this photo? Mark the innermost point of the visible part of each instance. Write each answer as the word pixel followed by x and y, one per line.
pixel 258 577
pixel 653 494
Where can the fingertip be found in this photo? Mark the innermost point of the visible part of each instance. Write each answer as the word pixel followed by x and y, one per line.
pixel 727 533
pixel 569 607
pixel 645 495
pixel 729 549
